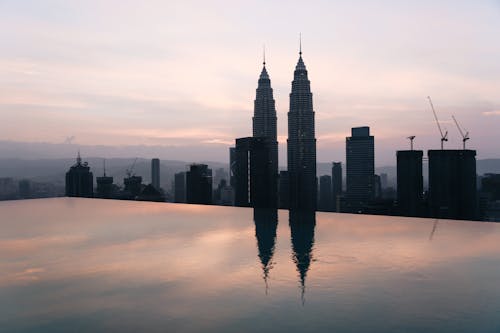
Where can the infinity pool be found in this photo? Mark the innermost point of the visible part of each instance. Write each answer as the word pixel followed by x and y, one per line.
pixel 88 265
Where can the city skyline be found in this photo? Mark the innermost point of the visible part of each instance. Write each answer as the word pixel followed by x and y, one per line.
pixel 76 70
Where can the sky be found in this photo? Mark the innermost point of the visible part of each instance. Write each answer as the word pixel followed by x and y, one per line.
pixel 181 75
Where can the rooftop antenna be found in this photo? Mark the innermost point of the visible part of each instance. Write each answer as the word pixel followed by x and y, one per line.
pixel 465 136
pixel 444 137
pixel 78 158
pixel 411 138
pixel 104 166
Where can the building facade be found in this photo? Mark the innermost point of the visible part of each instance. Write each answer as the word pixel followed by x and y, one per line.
pixel 336 185
pixel 325 202
pixel 199 184
pixel 452 184
pixel 264 121
pixel 155 173
pixel 410 184
pixel 256 182
pixel 180 187
pixel 360 168
pixel 79 180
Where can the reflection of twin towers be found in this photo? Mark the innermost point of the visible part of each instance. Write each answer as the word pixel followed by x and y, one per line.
pixel 302 225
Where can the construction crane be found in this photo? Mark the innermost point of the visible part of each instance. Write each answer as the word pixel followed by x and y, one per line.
pixel 444 137
pixel 130 170
pixel 411 138
pixel 465 136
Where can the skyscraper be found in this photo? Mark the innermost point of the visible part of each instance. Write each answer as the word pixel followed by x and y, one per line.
pixel 255 179
pixel 105 187
pixel 325 202
pixel 360 160
pixel 452 184
pixel 410 182
pixel 336 184
pixel 264 117
pixel 180 187
pixel 79 180
pixel 155 173
pixel 199 184
pixel 301 143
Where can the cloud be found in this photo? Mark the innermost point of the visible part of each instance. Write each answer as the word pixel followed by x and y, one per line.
pixel 491 113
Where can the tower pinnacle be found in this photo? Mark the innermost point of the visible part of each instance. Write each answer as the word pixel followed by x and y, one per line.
pixel 300 44
pixel 264 55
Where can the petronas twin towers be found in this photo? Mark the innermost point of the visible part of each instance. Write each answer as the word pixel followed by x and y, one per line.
pixel 301 142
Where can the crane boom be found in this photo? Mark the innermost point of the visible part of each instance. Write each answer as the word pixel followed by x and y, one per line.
pixel 465 136
pixel 129 170
pixel 444 137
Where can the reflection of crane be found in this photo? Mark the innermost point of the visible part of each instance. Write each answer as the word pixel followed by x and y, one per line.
pixel 411 138
pixel 130 170
pixel 444 137
pixel 465 136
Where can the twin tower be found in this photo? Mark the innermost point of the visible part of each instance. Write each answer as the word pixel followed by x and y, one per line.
pixel 299 189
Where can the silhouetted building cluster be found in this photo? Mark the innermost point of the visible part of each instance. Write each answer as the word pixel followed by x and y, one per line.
pixel 80 183
pixel 254 179
pixel 254 160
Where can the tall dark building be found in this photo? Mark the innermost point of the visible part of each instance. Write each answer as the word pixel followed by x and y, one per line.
pixel 360 160
pixel 105 188
pixel 199 184
pixel 301 143
pixel 410 182
pixel 79 180
pixel 255 180
pixel 155 173
pixel 452 184
pixel 325 202
pixel 264 118
pixel 180 187
pixel 336 184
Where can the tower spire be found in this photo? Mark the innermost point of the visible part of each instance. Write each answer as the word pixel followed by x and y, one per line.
pixel 300 44
pixel 78 158
pixel 264 55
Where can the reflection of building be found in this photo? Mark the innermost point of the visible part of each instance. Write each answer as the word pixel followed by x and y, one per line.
pixel 325 201
pixel 452 184
pixel 180 187
pixel 199 184
pixel 155 173
pixel 255 181
pixel 360 163
pixel 410 182
pixel 302 224
pixel 266 223
pixel 301 143
pixel 79 180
